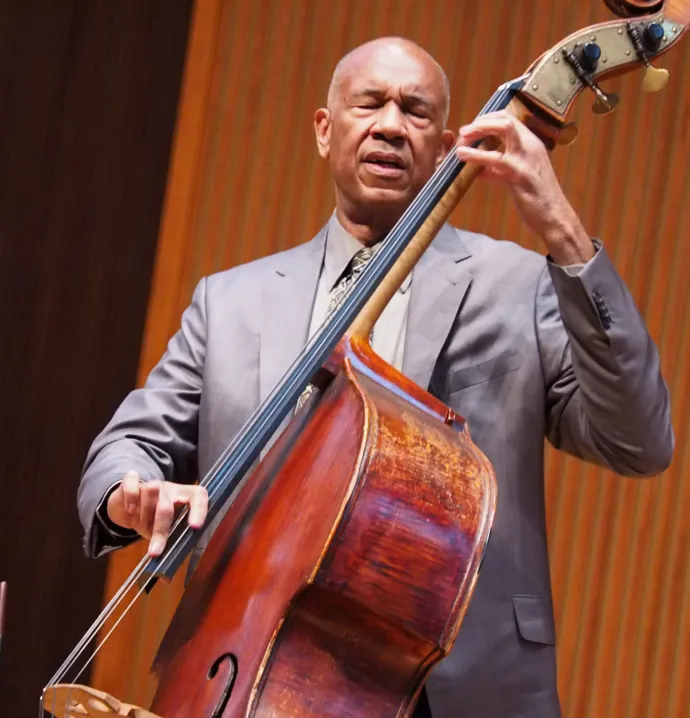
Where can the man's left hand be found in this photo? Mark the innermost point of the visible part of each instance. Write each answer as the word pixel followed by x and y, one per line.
pixel 523 163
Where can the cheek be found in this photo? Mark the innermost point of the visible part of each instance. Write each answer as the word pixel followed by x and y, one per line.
pixel 424 168
pixel 426 159
pixel 346 139
pixel 343 153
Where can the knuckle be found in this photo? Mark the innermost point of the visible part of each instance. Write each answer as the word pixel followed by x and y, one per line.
pixel 151 493
pixel 166 494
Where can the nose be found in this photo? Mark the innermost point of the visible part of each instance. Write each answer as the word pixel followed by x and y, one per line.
pixel 390 123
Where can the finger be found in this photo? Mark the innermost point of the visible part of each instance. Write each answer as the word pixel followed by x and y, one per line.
pixel 494 165
pixel 483 158
pixel 165 513
pixel 514 135
pixel 502 127
pixel 130 491
pixel 198 506
pixel 148 502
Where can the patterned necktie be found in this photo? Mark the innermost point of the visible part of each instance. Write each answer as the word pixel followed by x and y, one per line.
pixel 341 288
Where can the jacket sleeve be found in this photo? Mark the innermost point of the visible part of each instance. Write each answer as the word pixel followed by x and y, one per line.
pixel 153 432
pixel 607 401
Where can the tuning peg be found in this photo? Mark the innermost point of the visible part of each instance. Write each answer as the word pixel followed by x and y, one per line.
pixel 568 134
pixel 590 54
pixel 650 40
pixel 655 79
pixel 605 104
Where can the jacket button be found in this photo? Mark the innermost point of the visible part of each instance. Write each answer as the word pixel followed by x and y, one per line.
pixel 602 310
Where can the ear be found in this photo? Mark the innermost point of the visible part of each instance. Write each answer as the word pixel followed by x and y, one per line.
pixel 322 128
pixel 447 141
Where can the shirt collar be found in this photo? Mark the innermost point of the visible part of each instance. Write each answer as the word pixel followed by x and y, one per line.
pixel 341 247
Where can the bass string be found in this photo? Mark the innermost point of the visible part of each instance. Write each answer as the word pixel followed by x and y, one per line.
pixel 103 617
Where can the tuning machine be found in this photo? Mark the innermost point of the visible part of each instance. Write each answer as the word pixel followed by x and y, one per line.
pixel 605 103
pixel 584 66
pixel 649 41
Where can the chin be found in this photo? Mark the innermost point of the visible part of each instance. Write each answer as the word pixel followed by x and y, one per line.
pixel 387 196
pixel 384 208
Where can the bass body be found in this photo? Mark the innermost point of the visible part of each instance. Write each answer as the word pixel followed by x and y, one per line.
pixel 342 571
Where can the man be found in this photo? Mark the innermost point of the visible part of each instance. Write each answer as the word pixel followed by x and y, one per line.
pixel 521 345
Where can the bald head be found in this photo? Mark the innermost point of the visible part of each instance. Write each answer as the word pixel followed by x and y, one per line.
pixel 383 131
pixel 389 49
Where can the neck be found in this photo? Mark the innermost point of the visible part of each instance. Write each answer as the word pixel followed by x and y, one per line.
pixel 368 225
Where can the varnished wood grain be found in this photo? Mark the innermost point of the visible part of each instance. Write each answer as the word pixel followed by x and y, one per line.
pixel 347 510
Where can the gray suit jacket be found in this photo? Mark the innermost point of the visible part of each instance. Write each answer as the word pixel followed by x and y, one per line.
pixel 511 342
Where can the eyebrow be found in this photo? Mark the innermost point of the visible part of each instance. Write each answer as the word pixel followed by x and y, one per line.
pixel 408 97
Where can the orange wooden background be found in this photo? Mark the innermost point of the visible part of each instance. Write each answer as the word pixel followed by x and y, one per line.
pixel 246 181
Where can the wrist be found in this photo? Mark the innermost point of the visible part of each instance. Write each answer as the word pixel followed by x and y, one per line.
pixel 568 243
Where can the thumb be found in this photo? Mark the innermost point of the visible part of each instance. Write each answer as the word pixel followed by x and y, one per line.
pixel 123 502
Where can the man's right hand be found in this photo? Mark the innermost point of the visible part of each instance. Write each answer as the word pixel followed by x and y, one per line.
pixel 148 507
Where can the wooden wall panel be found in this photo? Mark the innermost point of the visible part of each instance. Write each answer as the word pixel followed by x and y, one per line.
pixel 247 181
pixel 88 99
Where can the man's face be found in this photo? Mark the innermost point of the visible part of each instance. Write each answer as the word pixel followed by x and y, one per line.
pixel 384 134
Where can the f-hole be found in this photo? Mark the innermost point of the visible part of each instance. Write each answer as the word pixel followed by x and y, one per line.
pixel 226 664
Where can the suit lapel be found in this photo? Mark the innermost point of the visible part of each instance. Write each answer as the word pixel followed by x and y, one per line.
pixel 439 284
pixel 286 309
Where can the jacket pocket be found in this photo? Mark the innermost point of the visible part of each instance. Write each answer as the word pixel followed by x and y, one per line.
pixel 534 617
pixel 490 369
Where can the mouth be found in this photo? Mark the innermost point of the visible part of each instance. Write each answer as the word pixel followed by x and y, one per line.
pixel 385 164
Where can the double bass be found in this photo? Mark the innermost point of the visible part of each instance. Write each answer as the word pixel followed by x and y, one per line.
pixel 341 605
